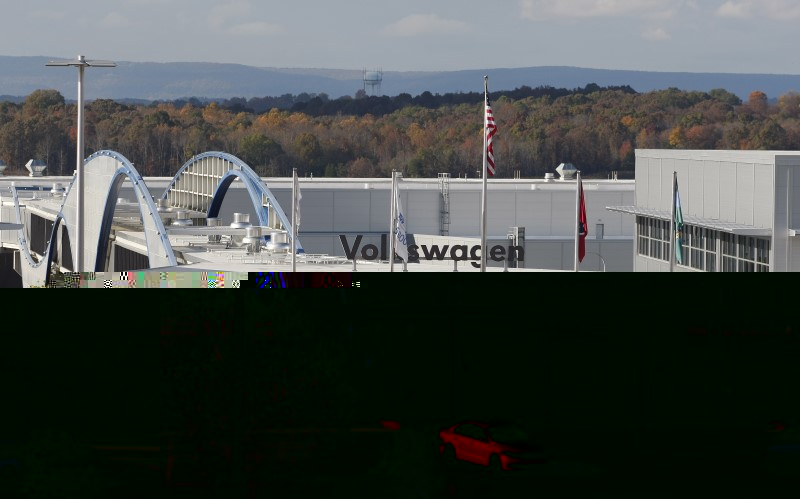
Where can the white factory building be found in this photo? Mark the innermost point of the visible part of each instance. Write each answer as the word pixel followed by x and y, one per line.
pixel 739 210
pixel 135 223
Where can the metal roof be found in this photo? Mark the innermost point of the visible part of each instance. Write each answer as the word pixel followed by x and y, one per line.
pixel 708 223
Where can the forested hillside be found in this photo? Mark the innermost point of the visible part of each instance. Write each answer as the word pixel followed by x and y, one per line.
pixel 595 128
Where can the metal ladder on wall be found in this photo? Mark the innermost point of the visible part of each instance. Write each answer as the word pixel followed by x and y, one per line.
pixel 444 212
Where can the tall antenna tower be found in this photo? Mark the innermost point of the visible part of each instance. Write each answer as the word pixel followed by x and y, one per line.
pixel 372 81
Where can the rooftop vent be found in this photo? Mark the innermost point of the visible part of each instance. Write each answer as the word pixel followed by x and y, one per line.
pixel 3 167
pixel 279 242
pixel 241 221
pixel 549 177
pixel 36 167
pixel 252 239
pixel 182 219
pixel 162 205
pixel 213 222
pixel 57 190
pixel 567 171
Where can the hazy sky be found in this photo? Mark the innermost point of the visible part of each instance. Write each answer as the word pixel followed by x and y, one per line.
pixel 733 36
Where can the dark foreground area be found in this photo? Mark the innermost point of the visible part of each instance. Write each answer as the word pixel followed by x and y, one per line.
pixel 401 463
pixel 331 395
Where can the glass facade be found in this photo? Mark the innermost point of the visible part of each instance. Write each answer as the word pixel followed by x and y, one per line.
pixel 744 253
pixel 700 248
pixel 653 238
pixel 704 249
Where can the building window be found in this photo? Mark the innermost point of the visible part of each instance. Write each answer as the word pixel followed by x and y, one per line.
pixel 700 248
pixel 653 238
pixel 744 253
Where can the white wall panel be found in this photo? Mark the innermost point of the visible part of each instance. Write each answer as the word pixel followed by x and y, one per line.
pixel 727 191
pixel 316 211
pixel 351 212
pixel 653 189
pixel 501 211
pixel 745 187
pixel 465 212
pixel 534 212
pixel 692 194
pixel 781 189
pixel 564 213
pixel 668 166
pixel 786 179
pixel 375 205
pixel 422 211
pixel 763 196
pixel 711 192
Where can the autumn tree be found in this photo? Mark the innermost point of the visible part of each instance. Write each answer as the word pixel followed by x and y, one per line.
pixel 41 101
pixel 259 151
pixel 789 105
pixel 769 136
pixel 722 95
pixel 309 152
pixel 758 102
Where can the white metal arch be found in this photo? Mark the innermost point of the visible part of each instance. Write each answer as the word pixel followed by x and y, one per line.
pixel 104 173
pixel 202 182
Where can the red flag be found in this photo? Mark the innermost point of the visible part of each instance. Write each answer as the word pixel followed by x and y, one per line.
pixel 491 129
pixel 582 226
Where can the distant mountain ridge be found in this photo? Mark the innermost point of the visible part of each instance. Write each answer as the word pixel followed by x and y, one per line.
pixel 19 76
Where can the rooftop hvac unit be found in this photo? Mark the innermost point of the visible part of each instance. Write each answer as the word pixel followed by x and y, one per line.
pixel 252 239
pixel 241 221
pixel 279 242
pixel 182 219
pixel 36 167
pixel 162 205
pixel 213 222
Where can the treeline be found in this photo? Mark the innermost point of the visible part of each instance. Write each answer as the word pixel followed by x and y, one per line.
pixel 362 104
pixel 595 128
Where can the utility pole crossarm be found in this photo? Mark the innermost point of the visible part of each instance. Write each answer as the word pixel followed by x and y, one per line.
pixel 81 61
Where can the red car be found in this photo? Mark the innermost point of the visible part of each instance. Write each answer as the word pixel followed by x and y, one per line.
pixel 500 447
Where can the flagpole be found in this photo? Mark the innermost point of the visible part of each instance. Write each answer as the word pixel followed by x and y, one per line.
pixel 393 220
pixel 577 221
pixel 672 223
pixel 294 219
pixel 485 171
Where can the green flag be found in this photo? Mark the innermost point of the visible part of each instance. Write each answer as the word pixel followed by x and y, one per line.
pixel 678 226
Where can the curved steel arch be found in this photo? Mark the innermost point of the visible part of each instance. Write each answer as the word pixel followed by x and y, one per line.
pixel 35 273
pixel 222 189
pixel 104 172
pixel 202 183
pixel 110 169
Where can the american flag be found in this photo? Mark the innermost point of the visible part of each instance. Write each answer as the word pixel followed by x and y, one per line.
pixel 491 129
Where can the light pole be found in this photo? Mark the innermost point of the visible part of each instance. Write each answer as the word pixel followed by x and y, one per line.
pixel 81 62
pixel 602 260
